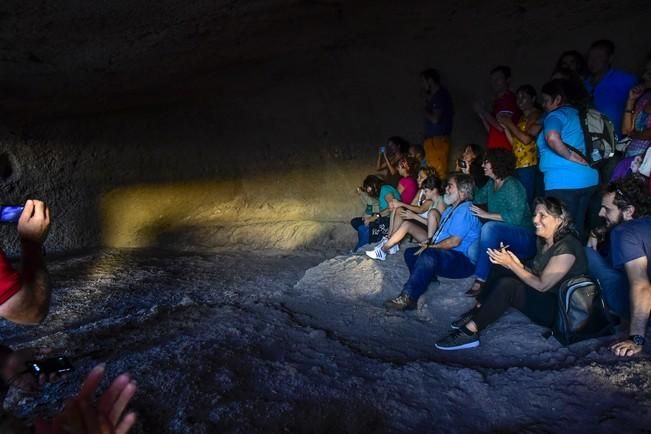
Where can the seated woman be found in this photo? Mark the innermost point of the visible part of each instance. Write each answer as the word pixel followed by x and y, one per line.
pixel 419 204
pixel 421 226
pixel 385 194
pixel 506 217
pixel 530 289
pixel 408 185
pixel 470 164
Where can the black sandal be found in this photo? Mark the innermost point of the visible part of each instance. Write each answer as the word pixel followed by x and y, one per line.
pixel 475 289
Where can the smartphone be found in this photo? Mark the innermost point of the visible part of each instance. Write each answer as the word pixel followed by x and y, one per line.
pixel 54 365
pixel 382 149
pixel 462 164
pixel 10 213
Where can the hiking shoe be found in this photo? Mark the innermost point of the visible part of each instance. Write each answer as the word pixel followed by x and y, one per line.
pixel 463 319
pixel 401 302
pixel 382 242
pixel 458 340
pixel 394 249
pixel 376 253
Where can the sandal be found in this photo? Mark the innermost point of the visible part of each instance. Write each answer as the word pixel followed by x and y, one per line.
pixel 475 289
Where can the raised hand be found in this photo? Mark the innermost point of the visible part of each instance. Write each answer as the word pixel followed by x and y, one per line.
pixel 34 222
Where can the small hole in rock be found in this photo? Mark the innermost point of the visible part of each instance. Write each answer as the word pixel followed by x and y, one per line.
pixel 6 167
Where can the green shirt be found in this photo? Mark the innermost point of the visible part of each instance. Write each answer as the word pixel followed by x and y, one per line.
pixel 510 201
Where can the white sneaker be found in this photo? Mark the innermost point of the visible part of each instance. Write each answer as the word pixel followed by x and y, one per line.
pixel 377 253
pixel 382 242
pixel 394 249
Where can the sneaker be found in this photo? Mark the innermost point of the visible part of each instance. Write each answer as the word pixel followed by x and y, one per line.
pixel 401 302
pixel 458 340
pixel 382 242
pixel 463 319
pixel 394 249
pixel 376 253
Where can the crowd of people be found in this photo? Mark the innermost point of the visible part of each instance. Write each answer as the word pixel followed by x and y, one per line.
pixel 25 299
pixel 533 208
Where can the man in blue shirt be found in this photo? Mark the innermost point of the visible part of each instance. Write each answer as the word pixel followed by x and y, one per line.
pixel 607 86
pixel 625 275
pixel 446 254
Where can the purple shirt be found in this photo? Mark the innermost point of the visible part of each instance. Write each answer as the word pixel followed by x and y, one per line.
pixel 410 186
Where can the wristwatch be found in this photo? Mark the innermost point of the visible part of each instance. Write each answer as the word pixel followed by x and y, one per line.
pixel 637 339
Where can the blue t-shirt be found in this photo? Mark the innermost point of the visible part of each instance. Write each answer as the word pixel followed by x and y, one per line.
pixel 561 173
pixel 384 190
pixel 609 95
pixel 631 240
pixel 442 102
pixel 459 222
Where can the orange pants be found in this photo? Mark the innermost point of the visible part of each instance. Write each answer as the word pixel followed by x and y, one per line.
pixel 437 150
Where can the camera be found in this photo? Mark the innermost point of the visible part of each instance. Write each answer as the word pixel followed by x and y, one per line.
pixel 462 163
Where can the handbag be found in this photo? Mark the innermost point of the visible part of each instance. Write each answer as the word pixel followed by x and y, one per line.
pixel 378 229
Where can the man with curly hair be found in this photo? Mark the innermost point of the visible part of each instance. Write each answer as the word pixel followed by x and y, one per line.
pixel 625 275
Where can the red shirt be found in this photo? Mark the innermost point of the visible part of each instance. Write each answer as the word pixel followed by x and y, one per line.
pixel 505 103
pixel 9 279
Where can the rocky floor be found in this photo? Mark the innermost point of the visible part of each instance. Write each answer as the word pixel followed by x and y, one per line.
pixel 251 342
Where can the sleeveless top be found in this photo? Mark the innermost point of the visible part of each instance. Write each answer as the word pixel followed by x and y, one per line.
pixel 525 155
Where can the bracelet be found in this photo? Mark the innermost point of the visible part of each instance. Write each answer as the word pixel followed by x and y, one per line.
pixel 629 111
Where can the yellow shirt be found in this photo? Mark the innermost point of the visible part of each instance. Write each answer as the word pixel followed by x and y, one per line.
pixel 525 155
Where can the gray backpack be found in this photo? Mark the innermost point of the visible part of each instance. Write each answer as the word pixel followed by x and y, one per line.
pixel 599 135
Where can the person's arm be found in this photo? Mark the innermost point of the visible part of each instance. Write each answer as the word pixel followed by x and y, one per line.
pixel 628 120
pixel 380 165
pixel 483 214
pixel 640 294
pixel 31 303
pixel 553 139
pixel 418 209
pixel 556 268
pixel 511 130
pixel 448 243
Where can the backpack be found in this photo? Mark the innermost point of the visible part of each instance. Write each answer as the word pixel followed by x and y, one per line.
pixel 599 136
pixel 582 313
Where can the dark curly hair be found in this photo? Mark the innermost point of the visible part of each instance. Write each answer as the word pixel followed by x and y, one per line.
pixel 412 164
pixel 375 183
pixel 433 183
pixel 632 190
pixel 557 208
pixel 502 162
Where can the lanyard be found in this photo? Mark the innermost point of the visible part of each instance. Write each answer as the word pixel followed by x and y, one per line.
pixel 443 222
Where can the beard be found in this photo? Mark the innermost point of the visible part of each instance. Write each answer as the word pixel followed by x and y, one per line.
pixel 449 199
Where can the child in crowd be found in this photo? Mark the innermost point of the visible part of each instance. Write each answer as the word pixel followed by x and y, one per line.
pixel 371 228
pixel 408 186
pixel 389 157
pixel 420 225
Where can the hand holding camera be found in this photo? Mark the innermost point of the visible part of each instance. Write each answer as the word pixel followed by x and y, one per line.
pixel 34 222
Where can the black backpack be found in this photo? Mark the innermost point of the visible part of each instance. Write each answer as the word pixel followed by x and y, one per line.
pixel 582 313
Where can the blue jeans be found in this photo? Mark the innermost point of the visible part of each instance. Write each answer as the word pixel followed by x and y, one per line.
pixel 521 241
pixel 430 264
pixel 362 232
pixel 528 176
pixel 576 200
pixel 614 283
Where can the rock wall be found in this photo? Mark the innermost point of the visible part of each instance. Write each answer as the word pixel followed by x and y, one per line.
pixel 199 134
